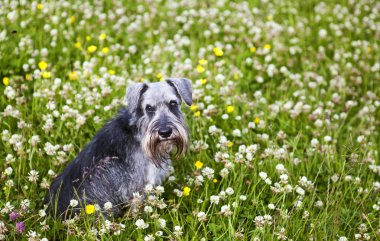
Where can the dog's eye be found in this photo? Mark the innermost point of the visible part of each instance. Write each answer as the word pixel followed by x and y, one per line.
pixel 149 108
pixel 173 103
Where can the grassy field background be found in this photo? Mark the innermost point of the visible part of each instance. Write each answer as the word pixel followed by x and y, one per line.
pixel 284 125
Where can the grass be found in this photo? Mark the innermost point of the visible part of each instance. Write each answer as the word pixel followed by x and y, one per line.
pixel 286 114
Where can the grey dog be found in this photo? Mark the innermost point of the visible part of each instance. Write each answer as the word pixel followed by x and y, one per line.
pixel 129 152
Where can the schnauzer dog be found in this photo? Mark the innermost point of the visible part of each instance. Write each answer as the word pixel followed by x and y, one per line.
pixel 129 152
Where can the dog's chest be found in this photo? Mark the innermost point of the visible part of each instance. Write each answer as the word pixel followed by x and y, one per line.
pixel 156 175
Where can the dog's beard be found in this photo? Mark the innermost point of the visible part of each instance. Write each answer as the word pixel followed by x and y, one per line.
pixel 158 149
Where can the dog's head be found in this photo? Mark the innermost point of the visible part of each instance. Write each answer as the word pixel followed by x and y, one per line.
pixel 155 109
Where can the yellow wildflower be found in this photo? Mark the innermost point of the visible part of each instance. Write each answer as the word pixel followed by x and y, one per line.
pixel 267 46
pixel 252 49
pixel 236 76
pixel 202 61
pixel 28 77
pixel 257 120
pixel 102 36
pixel 214 180
pixel 73 75
pixel 230 109
pixel 200 69
pixel 92 48
pixel 198 164
pixel 159 76
pixel 6 81
pixel 72 19
pixel 40 6
pixel 42 65
pixel 111 72
pixel 88 38
pixel 186 191
pixel 90 209
pixel 203 81
pixel 193 107
pixel 78 45
pixel 230 144
pixel 105 50
pixel 218 51
pixel 142 79
pixel 46 74
pixel 270 17
pixel 198 113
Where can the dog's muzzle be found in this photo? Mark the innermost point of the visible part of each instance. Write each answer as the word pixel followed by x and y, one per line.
pixel 159 141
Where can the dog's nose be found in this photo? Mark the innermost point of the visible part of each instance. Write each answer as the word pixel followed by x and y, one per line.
pixel 165 132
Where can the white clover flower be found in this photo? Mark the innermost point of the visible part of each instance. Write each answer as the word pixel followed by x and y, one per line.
pixel 50 149
pixel 140 224
pixel 360 139
pixel 162 222
pixel 236 133
pixel 229 191
pixel 8 171
pixel 322 33
pixel 208 172
pixel 149 237
pixel 25 203
pixel 148 209
pixel 132 49
pixel 160 190
pixel 300 191
pixel 199 180
pixel 243 197
pixel 268 181
pixel 225 210
pixel 263 175
pixel 214 199
pixel 33 176
pixel 9 183
pixel 271 206
pixel 251 125
pixel 202 216
pixel 148 188
pixel 42 213
pixel 7 208
pixel 225 116
pixel 280 168
pixel 73 203
pixel 107 206
pixel 319 204
pixel 284 178
pixel 171 178
pixel 335 177
pixel 51 173
pixel 159 233
pixel 235 204
pixel 224 172
pixel 314 142
pixel 222 195
pixel 177 231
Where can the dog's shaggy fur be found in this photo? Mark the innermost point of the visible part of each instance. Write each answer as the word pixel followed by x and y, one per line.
pixel 129 152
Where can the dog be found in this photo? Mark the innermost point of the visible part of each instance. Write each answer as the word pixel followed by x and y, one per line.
pixel 129 152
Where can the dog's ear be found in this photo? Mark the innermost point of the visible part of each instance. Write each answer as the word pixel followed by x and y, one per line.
pixel 134 92
pixel 183 87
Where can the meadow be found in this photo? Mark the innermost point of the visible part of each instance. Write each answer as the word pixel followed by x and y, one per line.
pixel 284 126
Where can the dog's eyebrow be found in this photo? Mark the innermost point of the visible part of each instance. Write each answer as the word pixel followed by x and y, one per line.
pixel 175 91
